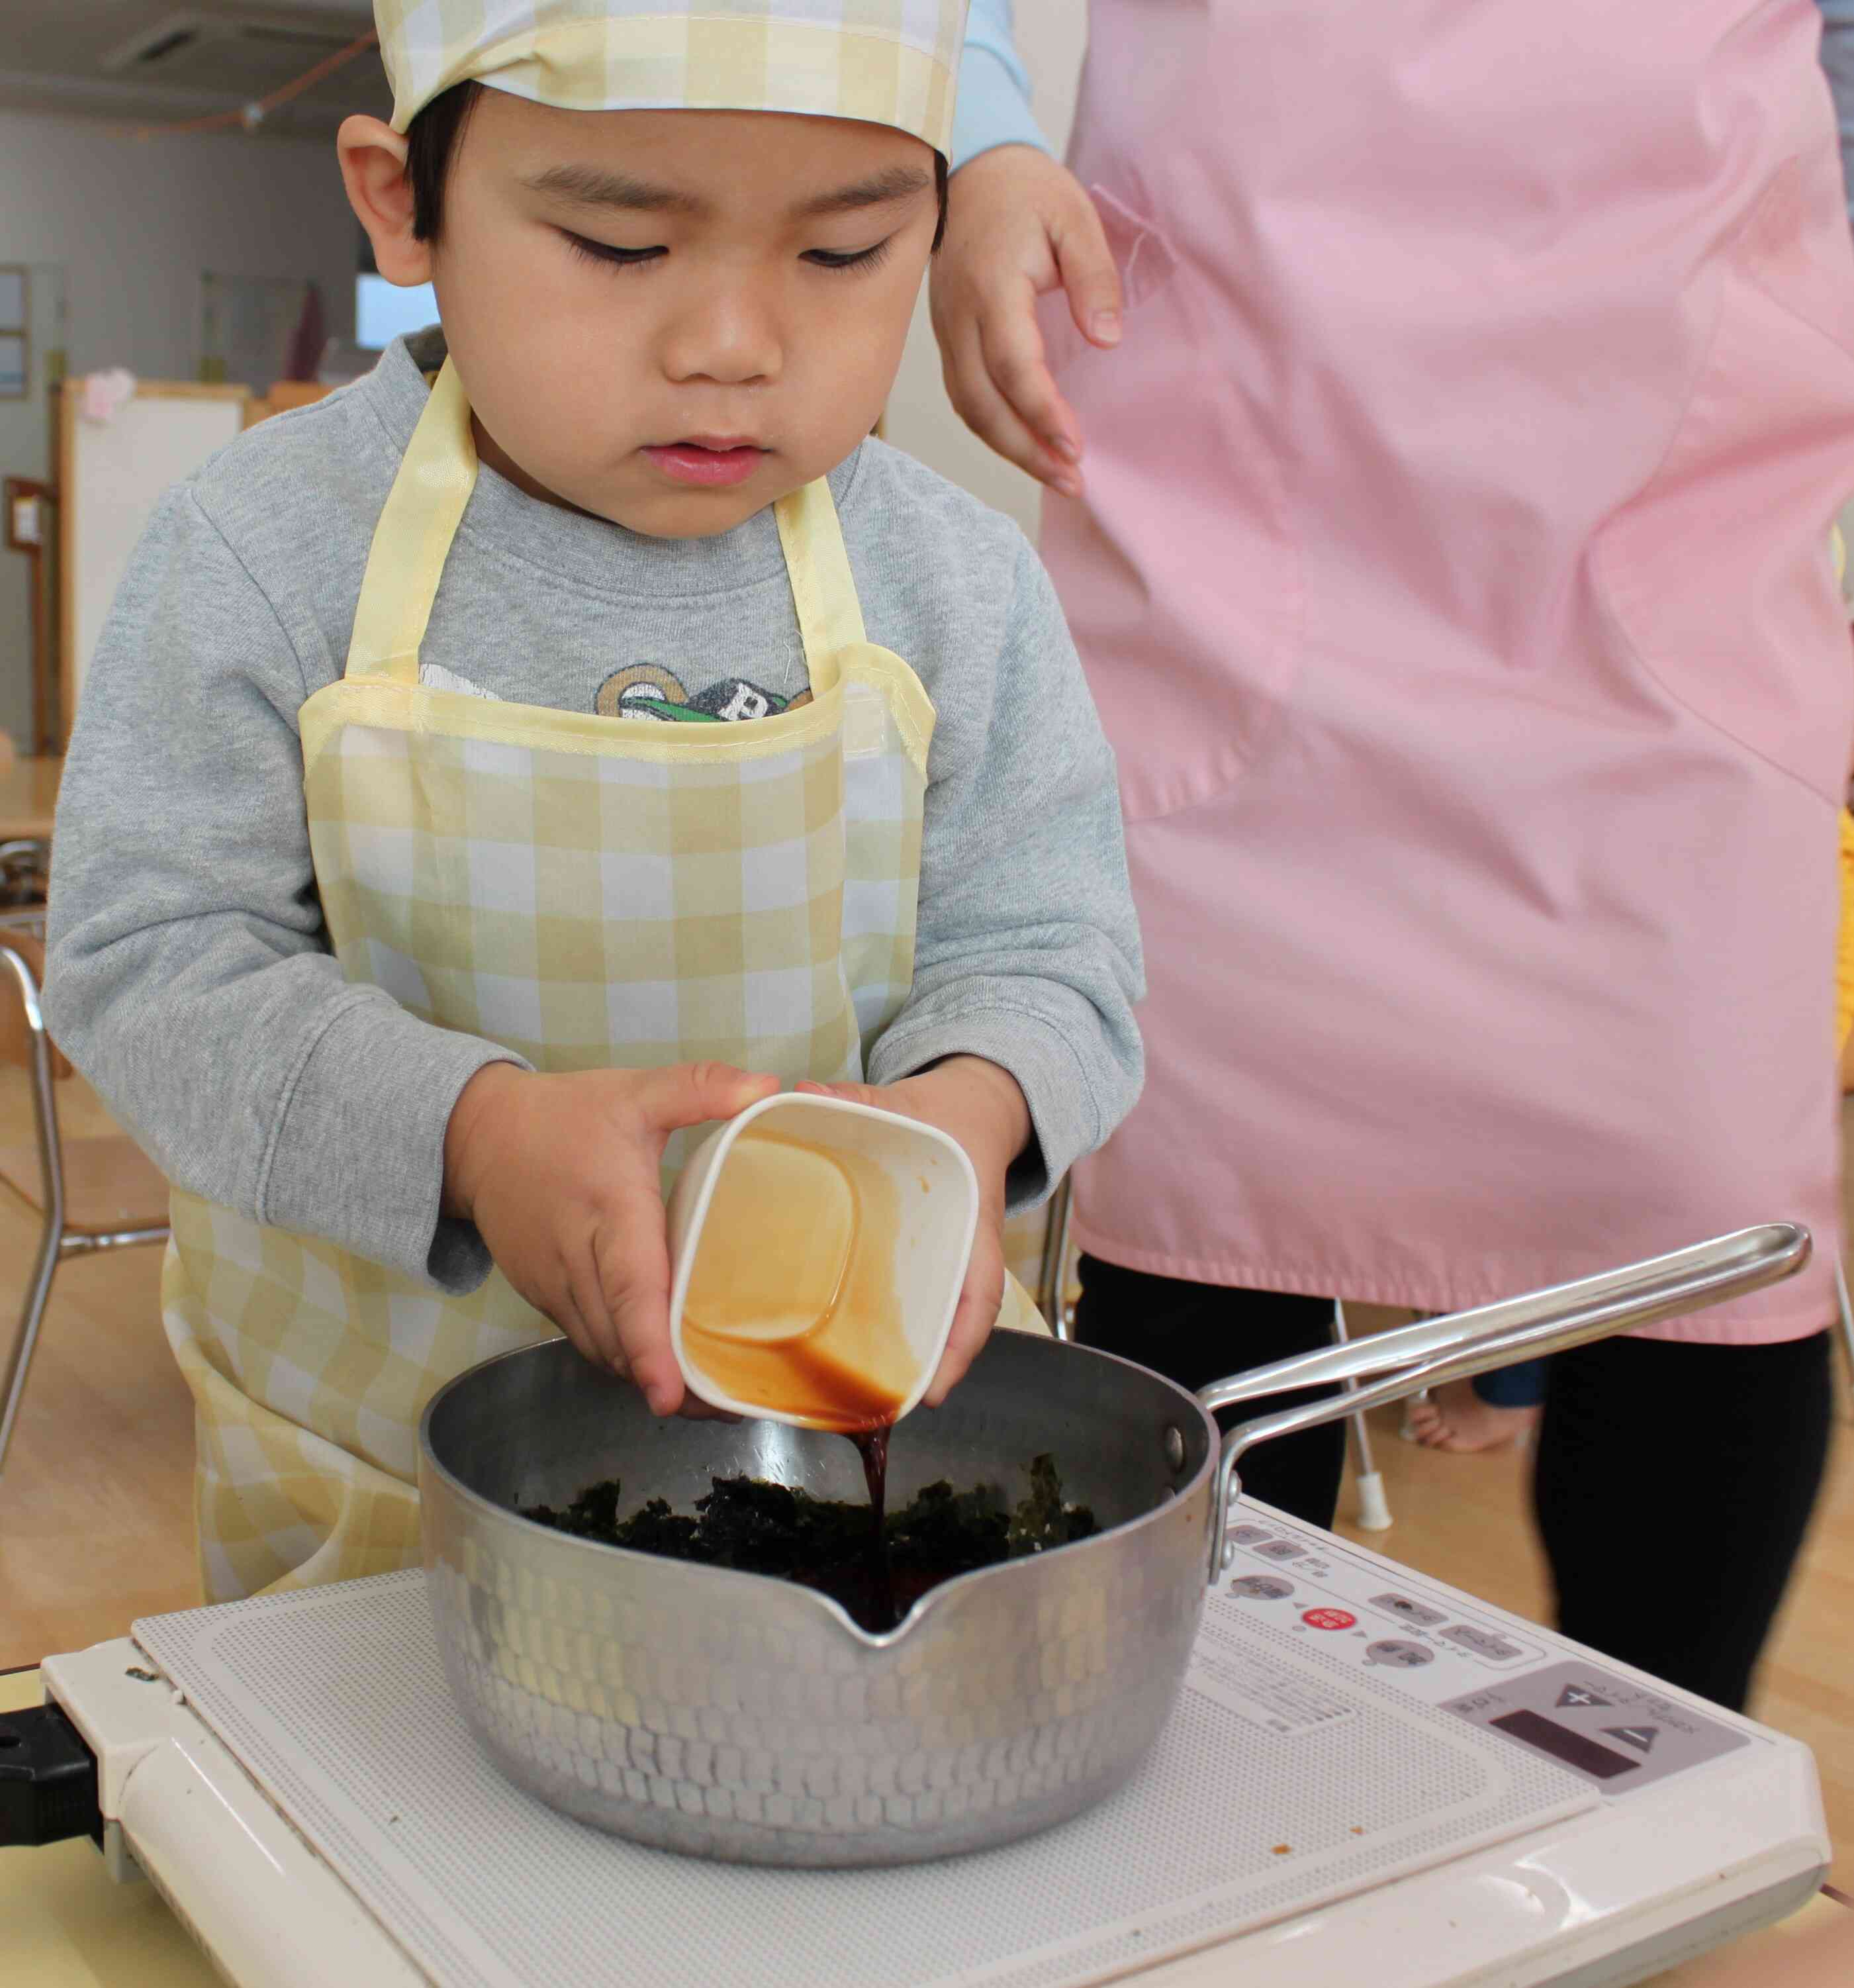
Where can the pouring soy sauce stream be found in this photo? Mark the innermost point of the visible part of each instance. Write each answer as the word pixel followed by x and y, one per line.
pixel 809 1284
pixel 871 1445
pixel 804 1316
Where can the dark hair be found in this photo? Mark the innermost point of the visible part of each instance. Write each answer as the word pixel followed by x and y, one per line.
pixel 431 141
pixel 431 144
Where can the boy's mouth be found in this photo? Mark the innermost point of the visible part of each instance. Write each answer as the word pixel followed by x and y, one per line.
pixel 713 461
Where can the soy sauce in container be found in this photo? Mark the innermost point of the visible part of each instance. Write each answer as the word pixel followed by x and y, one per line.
pixel 792 1303
pixel 820 1247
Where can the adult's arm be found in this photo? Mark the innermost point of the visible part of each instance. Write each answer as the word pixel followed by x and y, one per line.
pixel 993 106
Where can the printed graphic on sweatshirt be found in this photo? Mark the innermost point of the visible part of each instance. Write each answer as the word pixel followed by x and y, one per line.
pixel 645 691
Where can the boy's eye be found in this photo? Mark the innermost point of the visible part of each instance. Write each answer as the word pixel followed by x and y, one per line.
pixel 854 259
pixel 613 258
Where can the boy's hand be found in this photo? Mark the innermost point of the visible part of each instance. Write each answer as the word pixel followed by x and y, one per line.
pixel 561 1175
pixel 979 1104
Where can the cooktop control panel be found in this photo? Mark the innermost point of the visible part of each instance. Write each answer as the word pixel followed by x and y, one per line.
pixel 1463 1657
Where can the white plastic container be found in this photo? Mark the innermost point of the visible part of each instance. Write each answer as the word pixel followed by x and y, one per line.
pixel 813 1242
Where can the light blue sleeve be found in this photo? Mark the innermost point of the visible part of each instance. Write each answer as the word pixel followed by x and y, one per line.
pixel 1837 59
pixel 993 103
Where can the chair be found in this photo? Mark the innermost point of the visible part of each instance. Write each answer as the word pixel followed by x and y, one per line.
pixel 25 865
pixel 93 1194
pixel 1053 1298
pixel 26 860
pixel 1374 1506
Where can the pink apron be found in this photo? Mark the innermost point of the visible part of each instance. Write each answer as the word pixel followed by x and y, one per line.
pixel 1455 583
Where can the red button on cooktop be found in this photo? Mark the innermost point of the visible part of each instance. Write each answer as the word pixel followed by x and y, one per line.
pixel 1327 1618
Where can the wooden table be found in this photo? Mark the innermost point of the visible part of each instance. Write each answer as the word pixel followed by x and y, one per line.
pixel 67 1925
pixel 28 794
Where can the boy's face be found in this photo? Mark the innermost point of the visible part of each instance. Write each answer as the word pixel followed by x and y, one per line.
pixel 670 318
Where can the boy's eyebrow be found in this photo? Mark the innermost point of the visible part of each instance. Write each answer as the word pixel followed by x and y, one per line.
pixel 892 183
pixel 590 186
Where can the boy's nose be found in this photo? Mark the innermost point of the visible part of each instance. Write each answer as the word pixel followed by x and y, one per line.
pixel 730 340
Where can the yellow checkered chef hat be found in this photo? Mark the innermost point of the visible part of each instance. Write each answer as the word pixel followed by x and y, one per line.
pixel 882 62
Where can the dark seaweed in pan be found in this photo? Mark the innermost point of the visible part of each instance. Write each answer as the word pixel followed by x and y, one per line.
pixel 759 1527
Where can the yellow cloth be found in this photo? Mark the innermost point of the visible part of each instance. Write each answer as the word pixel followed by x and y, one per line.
pixel 1844 960
pixel 880 62
pixel 589 892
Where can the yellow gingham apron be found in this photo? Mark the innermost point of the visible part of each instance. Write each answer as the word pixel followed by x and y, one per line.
pixel 589 892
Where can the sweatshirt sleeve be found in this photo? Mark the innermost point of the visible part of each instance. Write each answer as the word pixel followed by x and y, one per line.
pixel 1028 952
pixel 189 976
pixel 993 105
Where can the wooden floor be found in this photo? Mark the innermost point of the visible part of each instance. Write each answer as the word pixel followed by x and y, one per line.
pixel 96 1526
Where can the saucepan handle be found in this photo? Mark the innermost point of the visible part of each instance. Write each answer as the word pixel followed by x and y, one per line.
pixel 1389 1365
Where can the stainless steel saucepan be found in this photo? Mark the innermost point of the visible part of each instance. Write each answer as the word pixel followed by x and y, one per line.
pixel 728 1715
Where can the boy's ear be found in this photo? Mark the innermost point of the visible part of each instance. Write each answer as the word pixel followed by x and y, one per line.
pixel 374 170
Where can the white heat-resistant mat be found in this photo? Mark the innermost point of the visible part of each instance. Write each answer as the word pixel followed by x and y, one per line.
pixel 1282 1782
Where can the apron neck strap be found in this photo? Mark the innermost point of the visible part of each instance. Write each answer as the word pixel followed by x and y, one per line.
pixel 426 504
pixel 413 539
pixel 823 590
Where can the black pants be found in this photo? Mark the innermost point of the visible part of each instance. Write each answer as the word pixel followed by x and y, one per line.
pixel 1673 1483
pixel 1196 1333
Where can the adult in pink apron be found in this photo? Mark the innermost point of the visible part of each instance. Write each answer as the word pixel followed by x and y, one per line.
pixel 1453 571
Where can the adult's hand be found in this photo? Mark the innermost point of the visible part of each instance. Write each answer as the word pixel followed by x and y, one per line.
pixel 1019 225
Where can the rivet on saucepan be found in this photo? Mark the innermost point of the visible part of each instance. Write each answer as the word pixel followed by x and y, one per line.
pixel 1174 1448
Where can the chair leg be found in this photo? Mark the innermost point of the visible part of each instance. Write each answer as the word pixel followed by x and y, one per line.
pixel 25 1338
pixel 1051 1292
pixel 1374 1507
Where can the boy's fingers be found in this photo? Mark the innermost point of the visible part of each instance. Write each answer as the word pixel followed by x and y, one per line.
pixel 634 1262
pixel 892 1099
pixel 690 1093
pixel 983 1292
pixel 659 1379
pixel 594 1331
pixel 695 1409
pixel 852 1094
pixel 979 1304
pixel 630 1271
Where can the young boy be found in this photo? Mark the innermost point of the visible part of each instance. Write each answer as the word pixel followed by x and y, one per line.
pixel 484 775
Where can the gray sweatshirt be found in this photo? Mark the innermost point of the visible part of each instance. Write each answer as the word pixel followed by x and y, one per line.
pixel 190 976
